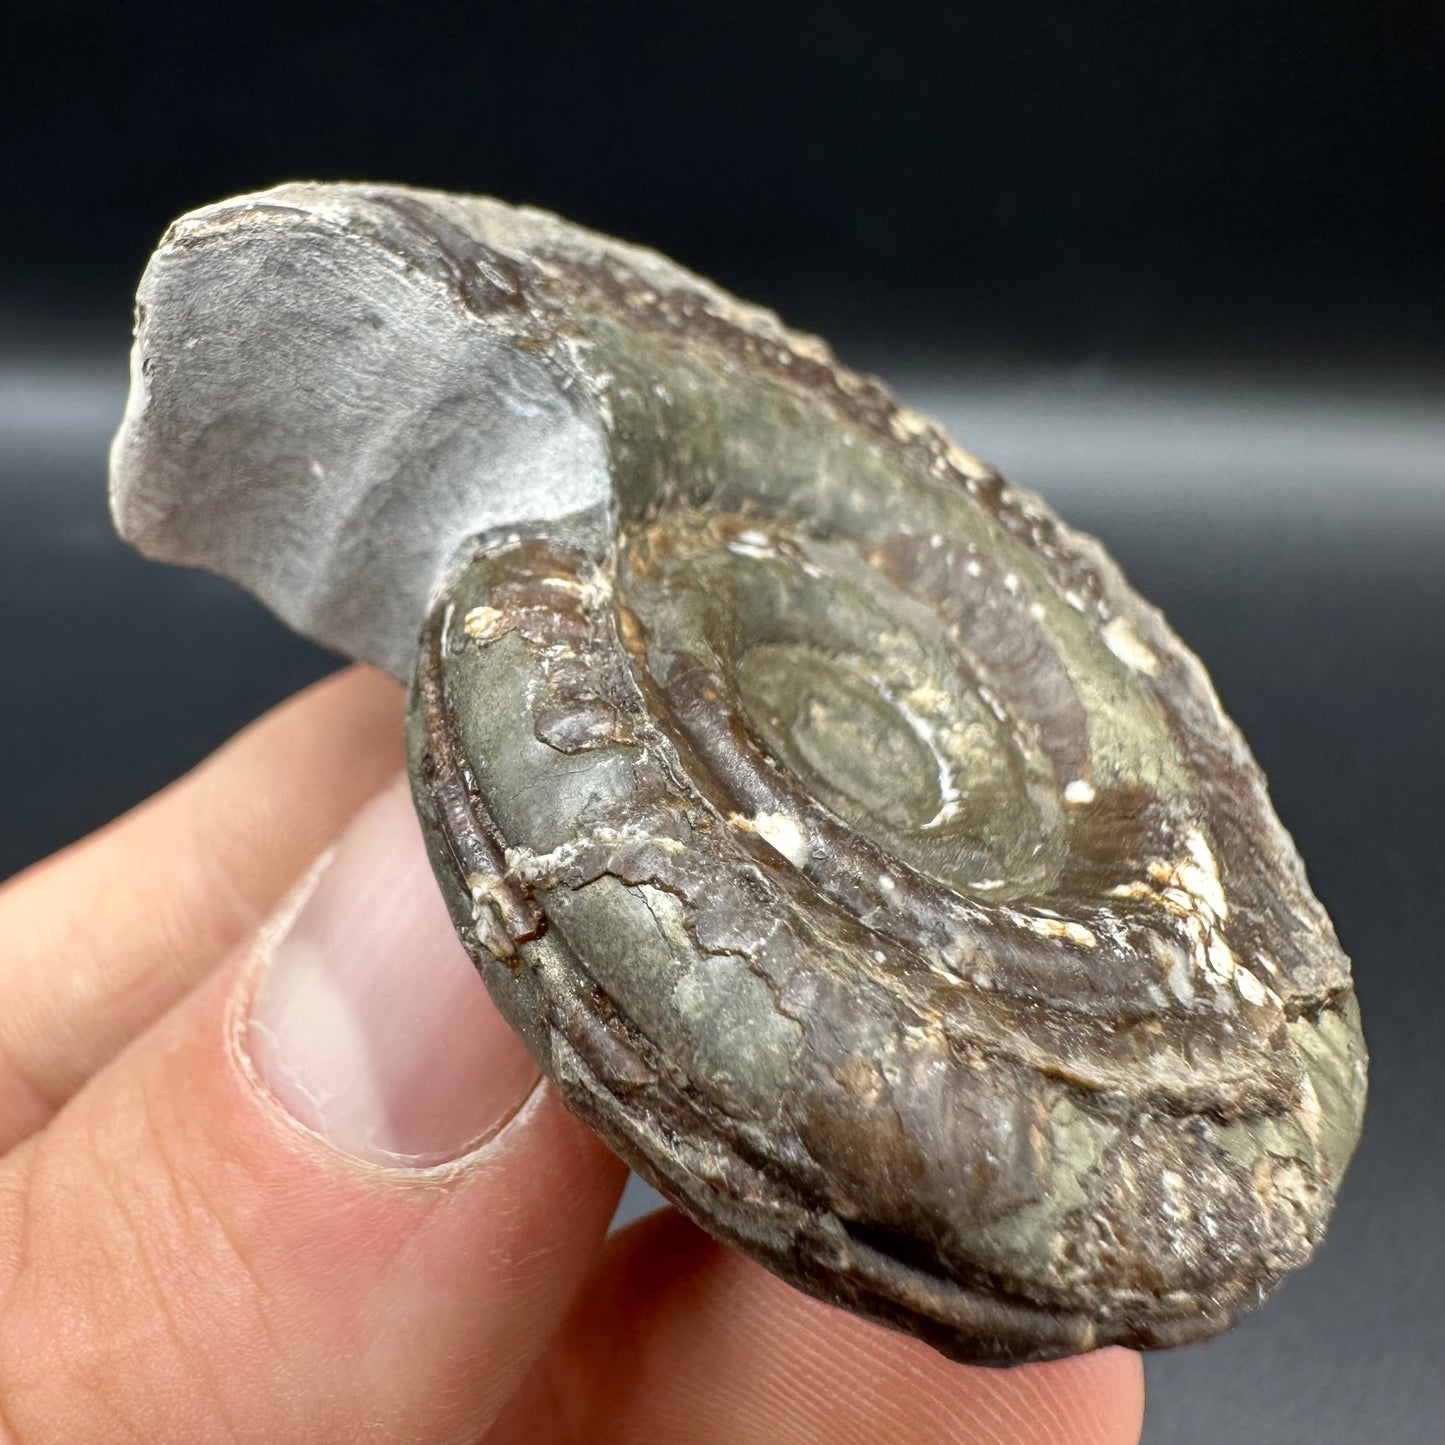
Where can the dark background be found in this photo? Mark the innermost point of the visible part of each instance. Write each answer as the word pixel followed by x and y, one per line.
pixel 1106 179
pixel 1178 267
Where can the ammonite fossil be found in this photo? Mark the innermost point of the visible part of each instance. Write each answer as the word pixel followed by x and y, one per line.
pixel 856 853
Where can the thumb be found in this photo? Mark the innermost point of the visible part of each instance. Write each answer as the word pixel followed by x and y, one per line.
pixel 325 1198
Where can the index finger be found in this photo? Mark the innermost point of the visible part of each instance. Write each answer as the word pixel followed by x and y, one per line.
pixel 679 1339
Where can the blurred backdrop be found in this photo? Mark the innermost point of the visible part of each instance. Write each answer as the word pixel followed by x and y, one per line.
pixel 1221 180
pixel 1179 268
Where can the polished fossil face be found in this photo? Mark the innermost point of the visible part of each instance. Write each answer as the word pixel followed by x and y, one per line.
pixel 854 850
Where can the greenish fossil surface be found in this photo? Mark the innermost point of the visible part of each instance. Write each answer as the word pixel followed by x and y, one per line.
pixel 855 851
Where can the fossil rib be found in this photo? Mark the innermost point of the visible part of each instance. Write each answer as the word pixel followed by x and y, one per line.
pixel 853 849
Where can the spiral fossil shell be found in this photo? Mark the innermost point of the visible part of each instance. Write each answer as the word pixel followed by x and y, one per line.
pixel 857 854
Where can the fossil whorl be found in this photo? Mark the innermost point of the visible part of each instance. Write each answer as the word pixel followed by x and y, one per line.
pixel 854 850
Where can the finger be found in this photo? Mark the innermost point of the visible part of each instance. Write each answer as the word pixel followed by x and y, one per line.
pixel 182 1260
pixel 101 939
pixel 678 1339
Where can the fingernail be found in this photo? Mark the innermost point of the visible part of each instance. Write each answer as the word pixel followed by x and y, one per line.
pixel 370 1025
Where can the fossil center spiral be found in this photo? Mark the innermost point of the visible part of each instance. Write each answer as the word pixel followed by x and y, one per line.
pixel 863 693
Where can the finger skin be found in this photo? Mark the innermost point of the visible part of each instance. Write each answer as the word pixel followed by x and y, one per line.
pixel 180 1262
pixel 96 947
pixel 679 1339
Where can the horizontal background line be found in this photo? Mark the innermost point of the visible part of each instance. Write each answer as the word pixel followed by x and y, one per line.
pixel 1188 442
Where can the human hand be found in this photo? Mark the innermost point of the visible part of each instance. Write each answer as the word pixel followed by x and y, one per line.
pixel 274 1169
